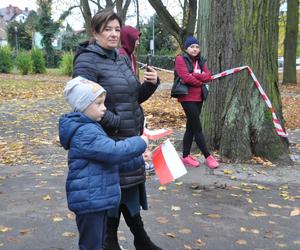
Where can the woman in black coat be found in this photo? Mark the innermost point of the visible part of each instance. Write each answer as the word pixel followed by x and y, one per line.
pixel 99 61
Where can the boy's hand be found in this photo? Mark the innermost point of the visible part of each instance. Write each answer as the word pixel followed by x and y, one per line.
pixel 150 75
pixel 145 138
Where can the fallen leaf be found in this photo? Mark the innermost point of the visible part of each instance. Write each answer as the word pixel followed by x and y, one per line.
pixel 162 188
pixel 4 229
pixel 188 247
pixel 200 243
pixel 241 242
pixel 69 234
pixel 25 231
pixel 57 219
pixel 179 183
pixel 162 220
pixel 175 208
pixel 198 213
pixel 274 205
pixel 227 171
pixel 185 231
pixel 297 242
pixel 214 216
pixel 171 235
pixel 295 212
pixel 257 213
pixel 46 197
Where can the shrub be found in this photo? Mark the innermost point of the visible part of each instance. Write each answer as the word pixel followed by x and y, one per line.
pixel 38 61
pixel 24 62
pixel 6 59
pixel 165 62
pixel 66 64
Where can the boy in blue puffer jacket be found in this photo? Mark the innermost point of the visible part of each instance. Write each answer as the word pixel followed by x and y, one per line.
pixel 92 184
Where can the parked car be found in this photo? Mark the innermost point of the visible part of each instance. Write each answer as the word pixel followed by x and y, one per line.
pixel 281 63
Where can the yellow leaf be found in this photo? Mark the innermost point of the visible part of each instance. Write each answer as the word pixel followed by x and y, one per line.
pixel 295 212
pixel 175 208
pixel 274 205
pixel 241 242
pixel 233 177
pixel 69 234
pixel 255 231
pixel 46 197
pixel 257 213
pixel 185 231
pixel 162 188
pixel 214 216
pixel 227 171
pixel 197 213
pixel 249 200
pixel 179 183
pixel 4 229
pixel 171 235
pixel 57 219
pixel 260 187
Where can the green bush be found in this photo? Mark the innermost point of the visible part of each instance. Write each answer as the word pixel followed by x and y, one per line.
pixel 38 61
pixel 66 64
pixel 24 62
pixel 6 59
pixel 165 62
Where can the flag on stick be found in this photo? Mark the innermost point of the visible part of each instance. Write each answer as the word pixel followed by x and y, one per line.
pixel 167 163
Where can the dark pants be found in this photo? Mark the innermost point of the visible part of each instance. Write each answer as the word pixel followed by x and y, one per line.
pixel 92 229
pixel 192 112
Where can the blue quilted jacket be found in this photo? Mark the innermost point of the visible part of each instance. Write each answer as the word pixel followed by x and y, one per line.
pixel 93 179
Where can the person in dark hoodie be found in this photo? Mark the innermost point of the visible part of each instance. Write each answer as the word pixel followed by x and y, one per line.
pixel 92 184
pixel 98 60
pixel 130 39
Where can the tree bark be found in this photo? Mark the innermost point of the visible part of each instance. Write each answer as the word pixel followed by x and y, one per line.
pixel 202 24
pixel 86 13
pixel 290 43
pixel 189 19
pixel 236 120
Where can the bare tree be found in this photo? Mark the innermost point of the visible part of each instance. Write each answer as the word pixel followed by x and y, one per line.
pixel 180 32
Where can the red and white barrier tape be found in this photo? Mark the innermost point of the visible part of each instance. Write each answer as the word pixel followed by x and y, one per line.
pixel 279 130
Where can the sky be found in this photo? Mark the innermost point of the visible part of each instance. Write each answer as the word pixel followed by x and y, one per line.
pixel 75 22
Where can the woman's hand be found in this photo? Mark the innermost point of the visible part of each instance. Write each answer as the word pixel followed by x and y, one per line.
pixel 150 75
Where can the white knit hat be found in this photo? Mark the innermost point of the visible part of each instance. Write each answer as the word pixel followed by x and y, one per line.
pixel 80 93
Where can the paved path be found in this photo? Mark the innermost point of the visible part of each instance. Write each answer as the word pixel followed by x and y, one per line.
pixel 237 206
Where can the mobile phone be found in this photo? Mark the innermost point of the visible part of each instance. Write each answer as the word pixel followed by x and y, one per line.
pixel 148 61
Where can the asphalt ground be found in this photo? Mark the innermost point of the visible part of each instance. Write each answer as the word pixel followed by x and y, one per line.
pixel 238 206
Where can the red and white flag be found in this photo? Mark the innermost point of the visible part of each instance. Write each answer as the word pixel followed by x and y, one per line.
pixel 167 163
pixel 156 134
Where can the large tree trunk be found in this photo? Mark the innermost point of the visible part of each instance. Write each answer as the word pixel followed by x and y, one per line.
pixel 87 15
pixel 235 118
pixel 290 42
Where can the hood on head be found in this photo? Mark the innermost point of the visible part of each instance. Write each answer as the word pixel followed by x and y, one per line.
pixel 68 124
pixel 129 35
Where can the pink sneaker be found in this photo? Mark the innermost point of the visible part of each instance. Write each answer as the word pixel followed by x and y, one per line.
pixel 190 161
pixel 211 162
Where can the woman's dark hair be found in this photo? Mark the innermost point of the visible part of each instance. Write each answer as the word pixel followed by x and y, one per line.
pixel 101 18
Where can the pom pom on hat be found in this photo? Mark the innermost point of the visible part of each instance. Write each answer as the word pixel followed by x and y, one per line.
pixel 80 93
pixel 189 41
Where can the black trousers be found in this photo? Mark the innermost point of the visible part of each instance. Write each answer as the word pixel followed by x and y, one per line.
pixel 193 130
pixel 92 230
